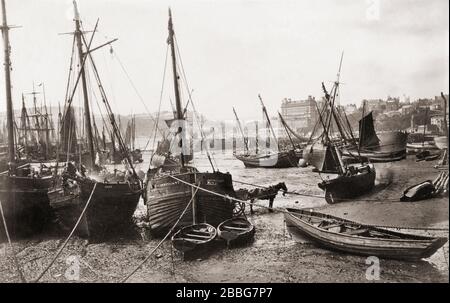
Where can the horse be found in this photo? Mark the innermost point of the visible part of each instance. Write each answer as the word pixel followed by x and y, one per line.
pixel 268 193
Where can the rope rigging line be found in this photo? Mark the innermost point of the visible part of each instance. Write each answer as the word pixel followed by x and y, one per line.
pixel 162 241
pixel 16 262
pixel 134 87
pixel 210 158
pixel 69 236
pixel 159 106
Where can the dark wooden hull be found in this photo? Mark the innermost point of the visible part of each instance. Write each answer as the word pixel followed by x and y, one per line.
pixel 166 198
pixel 348 187
pixel 372 156
pixel 109 213
pixel 236 231
pixel 276 160
pixel 25 204
pixel 373 242
pixel 418 192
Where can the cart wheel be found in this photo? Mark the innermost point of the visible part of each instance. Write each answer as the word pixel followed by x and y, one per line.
pixel 329 198
pixel 238 209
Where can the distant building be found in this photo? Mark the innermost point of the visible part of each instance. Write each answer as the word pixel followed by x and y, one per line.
pixel 301 115
pixel 407 109
pixel 375 105
pixel 438 121
pixel 392 104
pixel 350 109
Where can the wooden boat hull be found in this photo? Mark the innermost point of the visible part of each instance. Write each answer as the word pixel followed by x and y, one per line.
pixel 391 148
pixel 25 204
pixel 418 192
pixel 276 160
pixel 374 157
pixel 348 187
pixel 236 231
pixel 394 245
pixel 194 239
pixel 109 213
pixel 166 198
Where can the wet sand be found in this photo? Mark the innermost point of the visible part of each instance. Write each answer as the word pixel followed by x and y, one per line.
pixel 273 257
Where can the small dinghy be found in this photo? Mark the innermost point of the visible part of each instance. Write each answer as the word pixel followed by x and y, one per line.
pixel 427 189
pixel 346 236
pixel 236 231
pixel 421 191
pixel 194 238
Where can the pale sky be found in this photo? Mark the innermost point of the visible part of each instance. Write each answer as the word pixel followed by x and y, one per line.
pixel 234 49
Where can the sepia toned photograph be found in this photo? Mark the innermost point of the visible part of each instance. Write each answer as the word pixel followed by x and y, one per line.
pixel 213 141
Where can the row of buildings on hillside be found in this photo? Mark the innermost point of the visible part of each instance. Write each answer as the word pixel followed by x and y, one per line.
pixel 302 115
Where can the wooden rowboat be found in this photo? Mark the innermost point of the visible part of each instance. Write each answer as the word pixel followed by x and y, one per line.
pixel 194 237
pixel 236 231
pixel 350 237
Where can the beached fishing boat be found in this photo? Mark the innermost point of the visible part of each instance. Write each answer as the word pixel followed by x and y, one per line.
pixel 169 181
pixel 193 238
pixel 23 187
pixel 350 180
pixel 346 236
pixel 373 147
pixel 112 197
pixel 269 159
pixel 236 231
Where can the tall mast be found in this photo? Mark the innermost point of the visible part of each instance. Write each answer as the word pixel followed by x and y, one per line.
pixel 241 130
pixel 9 107
pixel 268 120
pixel 179 109
pixel 87 112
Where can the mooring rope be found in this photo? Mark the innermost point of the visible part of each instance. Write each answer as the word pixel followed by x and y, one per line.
pixel 68 237
pixel 287 212
pixel 16 262
pixel 317 196
pixel 161 242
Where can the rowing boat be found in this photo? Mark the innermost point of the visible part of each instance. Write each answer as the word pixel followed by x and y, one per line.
pixel 346 236
pixel 194 238
pixel 236 231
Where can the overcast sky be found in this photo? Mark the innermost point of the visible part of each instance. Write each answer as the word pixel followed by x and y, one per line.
pixel 234 49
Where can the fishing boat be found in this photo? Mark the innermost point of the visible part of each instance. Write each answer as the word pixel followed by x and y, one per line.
pixel 236 231
pixel 349 180
pixel 346 236
pixel 169 181
pixel 373 147
pixel 23 187
pixel 112 197
pixel 193 238
pixel 269 159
